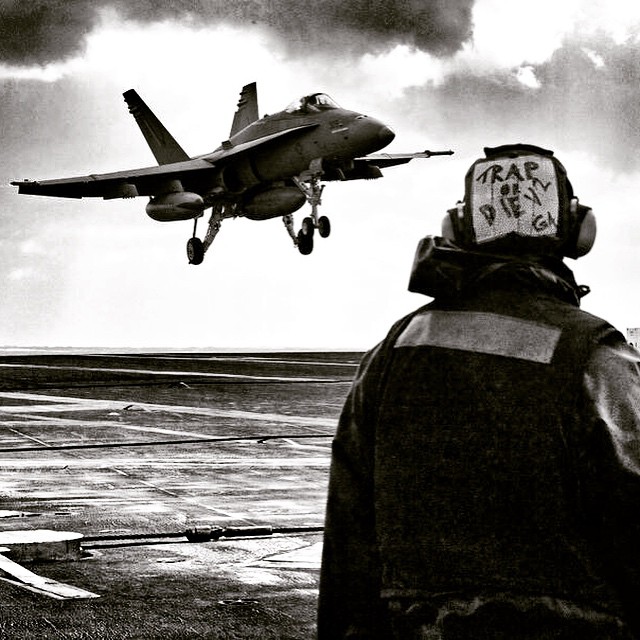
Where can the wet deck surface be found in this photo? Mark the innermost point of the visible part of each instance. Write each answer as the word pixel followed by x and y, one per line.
pixel 115 447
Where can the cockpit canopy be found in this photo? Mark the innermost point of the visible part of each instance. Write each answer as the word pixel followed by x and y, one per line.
pixel 312 104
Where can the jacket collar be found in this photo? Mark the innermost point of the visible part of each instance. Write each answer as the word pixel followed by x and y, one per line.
pixel 441 269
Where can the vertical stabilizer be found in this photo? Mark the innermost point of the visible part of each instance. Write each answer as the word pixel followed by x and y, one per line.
pixel 247 108
pixel 163 145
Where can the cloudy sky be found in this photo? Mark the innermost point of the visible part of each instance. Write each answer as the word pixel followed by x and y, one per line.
pixel 443 74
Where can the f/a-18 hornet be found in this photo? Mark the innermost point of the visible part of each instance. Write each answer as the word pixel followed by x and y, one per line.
pixel 267 168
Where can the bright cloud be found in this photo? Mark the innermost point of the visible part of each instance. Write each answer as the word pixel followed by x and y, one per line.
pixel 527 76
pixel 96 272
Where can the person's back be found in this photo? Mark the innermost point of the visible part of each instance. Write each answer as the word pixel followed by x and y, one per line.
pixel 476 429
pixel 474 493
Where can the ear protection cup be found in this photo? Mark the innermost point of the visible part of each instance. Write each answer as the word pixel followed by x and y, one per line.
pixel 583 232
pixel 587 235
pixel 447 229
pixel 453 223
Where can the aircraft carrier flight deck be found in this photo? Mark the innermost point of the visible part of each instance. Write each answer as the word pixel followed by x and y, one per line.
pixel 196 484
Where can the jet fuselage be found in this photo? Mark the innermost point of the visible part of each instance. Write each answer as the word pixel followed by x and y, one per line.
pixel 334 135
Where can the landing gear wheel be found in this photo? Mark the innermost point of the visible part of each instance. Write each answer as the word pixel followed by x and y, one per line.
pixel 195 250
pixel 308 227
pixel 305 243
pixel 324 227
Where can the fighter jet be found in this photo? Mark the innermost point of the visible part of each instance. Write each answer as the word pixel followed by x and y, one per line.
pixel 267 168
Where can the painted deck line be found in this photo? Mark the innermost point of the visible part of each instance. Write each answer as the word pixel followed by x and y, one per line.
pixel 351 365
pixel 221 463
pixel 183 374
pixel 48 421
pixel 305 557
pixel 68 403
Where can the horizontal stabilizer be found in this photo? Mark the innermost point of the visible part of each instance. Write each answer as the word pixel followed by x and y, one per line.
pixel 247 108
pixel 163 145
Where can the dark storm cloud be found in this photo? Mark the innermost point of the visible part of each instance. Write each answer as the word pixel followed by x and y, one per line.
pixel 42 31
pixel 601 99
pixel 436 26
pixel 588 99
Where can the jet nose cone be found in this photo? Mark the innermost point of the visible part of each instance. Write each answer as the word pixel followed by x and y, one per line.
pixel 385 135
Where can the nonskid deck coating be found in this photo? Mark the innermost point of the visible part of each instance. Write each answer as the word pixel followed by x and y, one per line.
pixel 279 482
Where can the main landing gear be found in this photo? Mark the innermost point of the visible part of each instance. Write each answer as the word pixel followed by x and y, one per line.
pixel 305 235
pixel 309 184
pixel 196 248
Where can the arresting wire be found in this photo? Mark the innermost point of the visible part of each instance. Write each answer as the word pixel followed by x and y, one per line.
pixel 196 534
pixel 156 443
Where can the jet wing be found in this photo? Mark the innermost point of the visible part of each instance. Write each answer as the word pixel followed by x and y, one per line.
pixel 121 184
pixel 148 181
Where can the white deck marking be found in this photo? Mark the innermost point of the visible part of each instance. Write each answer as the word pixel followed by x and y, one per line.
pixel 60 404
pixel 185 498
pixel 154 463
pixel 315 363
pixel 193 374
pixel 39 584
pixel 308 556
pixel 41 411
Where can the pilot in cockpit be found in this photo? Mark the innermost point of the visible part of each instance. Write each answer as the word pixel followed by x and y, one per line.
pixel 313 103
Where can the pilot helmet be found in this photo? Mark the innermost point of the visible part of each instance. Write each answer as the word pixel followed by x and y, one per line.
pixel 518 200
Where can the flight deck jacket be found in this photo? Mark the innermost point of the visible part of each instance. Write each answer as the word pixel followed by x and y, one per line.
pixel 489 449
